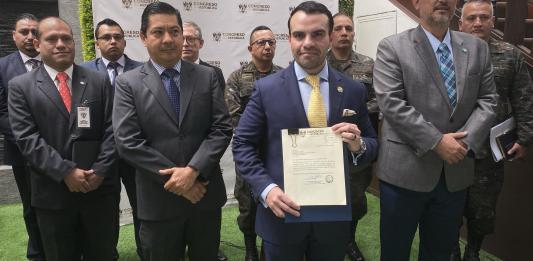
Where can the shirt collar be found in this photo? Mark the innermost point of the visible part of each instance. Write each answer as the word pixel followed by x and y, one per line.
pixel 25 58
pixel 160 69
pixel 121 61
pixel 301 73
pixel 53 73
pixel 436 42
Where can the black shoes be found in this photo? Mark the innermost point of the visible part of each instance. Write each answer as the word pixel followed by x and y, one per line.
pixel 251 248
pixel 353 252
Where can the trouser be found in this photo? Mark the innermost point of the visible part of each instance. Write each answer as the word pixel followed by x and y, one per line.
pixel 360 178
pixel 247 205
pixel 437 214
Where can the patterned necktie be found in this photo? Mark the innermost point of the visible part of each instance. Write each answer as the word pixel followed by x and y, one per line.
pixel 447 71
pixel 113 66
pixel 64 91
pixel 316 113
pixel 172 88
pixel 33 63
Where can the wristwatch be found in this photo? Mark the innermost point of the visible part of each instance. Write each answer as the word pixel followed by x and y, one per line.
pixel 362 149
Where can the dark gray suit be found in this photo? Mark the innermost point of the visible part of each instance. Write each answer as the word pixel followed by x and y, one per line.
pixel 418 188
pixel 10 67
pixel 151 137
pixel 98 65
pixel 45 133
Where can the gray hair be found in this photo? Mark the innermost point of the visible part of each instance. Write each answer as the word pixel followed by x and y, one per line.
pixel 196 27
pixel 489 2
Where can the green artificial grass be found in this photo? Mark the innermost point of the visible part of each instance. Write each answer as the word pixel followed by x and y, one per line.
pixel 13 235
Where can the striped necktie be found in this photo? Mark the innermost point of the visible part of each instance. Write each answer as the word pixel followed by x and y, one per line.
pixel 447 71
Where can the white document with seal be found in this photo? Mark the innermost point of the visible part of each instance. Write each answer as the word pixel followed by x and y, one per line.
pixel 313 166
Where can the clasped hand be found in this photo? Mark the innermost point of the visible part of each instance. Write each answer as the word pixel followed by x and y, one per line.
pixel 451 148
pixel 183 182
pixel 84 181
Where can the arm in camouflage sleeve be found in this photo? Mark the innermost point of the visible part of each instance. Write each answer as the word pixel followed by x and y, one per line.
pixel 232 97
pixel 521 97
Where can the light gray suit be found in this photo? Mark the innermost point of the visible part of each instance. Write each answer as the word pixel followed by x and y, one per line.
pixel 418 189
pixel 417 111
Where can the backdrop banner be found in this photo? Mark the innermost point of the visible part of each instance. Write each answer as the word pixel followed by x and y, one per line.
pixel 225 24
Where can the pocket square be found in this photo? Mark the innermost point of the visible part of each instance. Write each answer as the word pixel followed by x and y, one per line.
pixel 348 113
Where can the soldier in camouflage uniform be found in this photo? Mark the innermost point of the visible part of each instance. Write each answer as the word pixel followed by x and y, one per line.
pixel 515 90
pixel 359 67
pixel 239 89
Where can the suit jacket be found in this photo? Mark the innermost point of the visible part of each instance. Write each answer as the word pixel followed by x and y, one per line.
pixel 98 65
pixel 10 66
pixel 220 75
pixel 276 104
pixel 151 137
pixel 414 101
pixel 45 132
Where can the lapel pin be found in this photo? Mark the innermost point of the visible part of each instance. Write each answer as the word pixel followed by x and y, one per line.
pixel 348 113
pixel 464 50
pixel 82 83
pixel 340 89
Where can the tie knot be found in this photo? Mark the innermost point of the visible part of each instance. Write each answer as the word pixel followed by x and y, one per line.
pixel 313 80
pixel 170 73
pixel 443 48
pixel 33 63
pixel 113 65
pixel 62 76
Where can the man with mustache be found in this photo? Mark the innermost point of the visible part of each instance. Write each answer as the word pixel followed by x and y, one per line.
pixel 359 67
pixel 308 93
pixel 60 115
pixel 435 88
pixel 513 84
pixel 111 43
pixel 172 125
pixel 25 59
pixel 262 47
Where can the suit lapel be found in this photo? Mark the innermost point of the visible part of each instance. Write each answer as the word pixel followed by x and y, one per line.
pixel 290 80
pixel 427 56
pixel 100 66
pixel 79 82
pixel 20 68
pixel 48 87
pixel 187 86
pixel 336 94
pixel 460 57
pixel 153 82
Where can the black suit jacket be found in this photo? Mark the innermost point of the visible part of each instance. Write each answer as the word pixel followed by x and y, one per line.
pixel 10 66
pixel 218 71
pixel 151 137
pixel 45 132
pixel 98 65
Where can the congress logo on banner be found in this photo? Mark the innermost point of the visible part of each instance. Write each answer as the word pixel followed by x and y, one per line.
pixel 127 3
pixel 190 6
pixel 219 36
pixel 281 37
pixel 255 8
pixel 216 63
pixel 130 34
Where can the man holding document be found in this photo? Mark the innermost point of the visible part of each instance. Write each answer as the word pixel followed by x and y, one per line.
pixel 287 114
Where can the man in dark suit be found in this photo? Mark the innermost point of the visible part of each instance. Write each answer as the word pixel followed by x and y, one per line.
pixel 110 41
pixel 308 93
pixel 60 115
pixel 436 90
pixel 22 61
pixel 172 125
pixel 192 43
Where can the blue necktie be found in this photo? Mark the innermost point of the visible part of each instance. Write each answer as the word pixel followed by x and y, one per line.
pixel 113 66
pixel 447 71
pixel 171 86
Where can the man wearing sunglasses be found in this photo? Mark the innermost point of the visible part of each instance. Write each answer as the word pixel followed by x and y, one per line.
pixel 240 85
pixel 111 43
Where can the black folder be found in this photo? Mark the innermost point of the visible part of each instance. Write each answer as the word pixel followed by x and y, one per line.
pixel 85 153
pixel 505 143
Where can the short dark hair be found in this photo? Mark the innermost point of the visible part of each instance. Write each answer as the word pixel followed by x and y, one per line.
pixel 108 22
pixel 312 7
pixel 342 14
pixel 158 8
pixel 24 16
pixel 259 28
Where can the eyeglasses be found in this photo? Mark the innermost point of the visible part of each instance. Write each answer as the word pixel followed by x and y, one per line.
pixel 190 39
pixel 107 37
pixel 263 42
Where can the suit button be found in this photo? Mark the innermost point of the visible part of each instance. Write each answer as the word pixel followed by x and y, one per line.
pixel 451 120
pixel 181 136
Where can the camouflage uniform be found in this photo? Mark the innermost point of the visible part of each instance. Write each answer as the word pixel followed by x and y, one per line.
pixel 515 90
pixel 359 67
pixel 238 91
